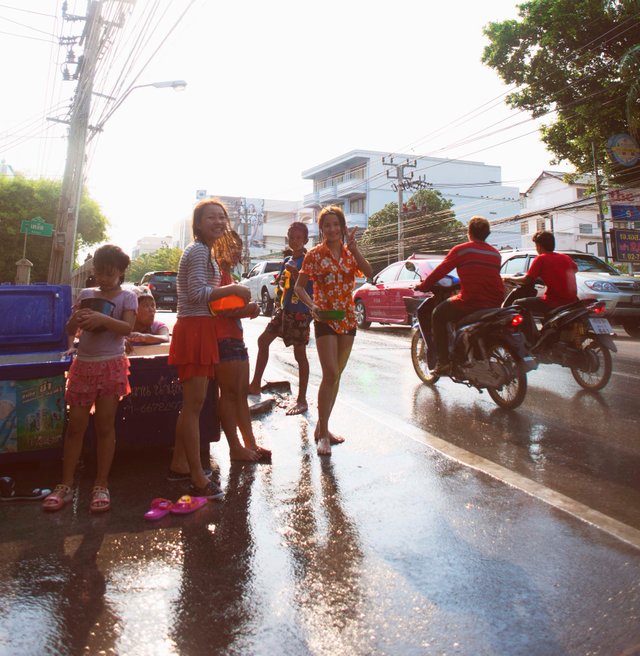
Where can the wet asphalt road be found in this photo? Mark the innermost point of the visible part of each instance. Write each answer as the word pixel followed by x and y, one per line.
pixel 416 537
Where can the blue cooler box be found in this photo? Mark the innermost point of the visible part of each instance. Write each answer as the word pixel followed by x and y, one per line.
pixel 32 370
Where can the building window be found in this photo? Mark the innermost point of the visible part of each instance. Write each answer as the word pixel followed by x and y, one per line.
pixel 524 227
pixel 356 206
pixel 357 173
pixel 586 228
pixel 321 184
pixel 337 179
pixel 540 224
pixel 580 192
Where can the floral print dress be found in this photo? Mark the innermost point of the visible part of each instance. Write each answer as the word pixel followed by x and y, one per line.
pixel 333 283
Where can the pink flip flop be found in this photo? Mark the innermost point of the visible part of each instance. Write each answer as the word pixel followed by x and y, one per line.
pixel 159 508
pixel 188 504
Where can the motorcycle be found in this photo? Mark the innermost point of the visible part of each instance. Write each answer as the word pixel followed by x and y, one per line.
pixel 574 336
pixel 487 348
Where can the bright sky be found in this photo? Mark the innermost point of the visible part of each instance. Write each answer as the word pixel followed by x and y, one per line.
pixel 273 89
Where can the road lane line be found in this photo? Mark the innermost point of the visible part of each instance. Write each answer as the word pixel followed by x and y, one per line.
pixel 560 501
pixel 581 511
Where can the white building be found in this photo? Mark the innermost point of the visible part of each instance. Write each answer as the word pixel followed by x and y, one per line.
pixel 151 244
pixel 261 222
pixel 564 208
pixel 358 182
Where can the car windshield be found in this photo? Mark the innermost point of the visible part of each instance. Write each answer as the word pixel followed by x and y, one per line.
pixel 167 278
pixel 591 263
pixel 272 266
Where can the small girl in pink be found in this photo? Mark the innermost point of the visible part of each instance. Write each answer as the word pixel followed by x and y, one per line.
pixel 98 377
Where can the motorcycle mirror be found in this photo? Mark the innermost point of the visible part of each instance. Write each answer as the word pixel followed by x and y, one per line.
pixel 410 265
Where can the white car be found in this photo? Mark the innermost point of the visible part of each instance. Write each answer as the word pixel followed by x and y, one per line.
pixel 595 279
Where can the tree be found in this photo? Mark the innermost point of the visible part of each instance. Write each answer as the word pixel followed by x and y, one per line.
pixel 575 60
pixel 164 259
pixel 429 226
pixel 20 199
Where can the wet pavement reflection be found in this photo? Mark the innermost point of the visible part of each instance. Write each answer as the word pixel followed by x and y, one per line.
pixel 389 547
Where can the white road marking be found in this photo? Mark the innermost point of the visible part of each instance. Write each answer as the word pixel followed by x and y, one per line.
pixel 585 513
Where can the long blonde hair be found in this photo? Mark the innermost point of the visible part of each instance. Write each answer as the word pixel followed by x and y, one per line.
pixel 225 249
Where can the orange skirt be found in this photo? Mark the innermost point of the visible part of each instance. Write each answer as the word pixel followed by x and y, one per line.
pixel 194 347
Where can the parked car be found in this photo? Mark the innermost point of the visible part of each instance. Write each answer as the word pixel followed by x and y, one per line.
pixel 163 288
pixel 595 280
pixel 381 299
pixel 261 280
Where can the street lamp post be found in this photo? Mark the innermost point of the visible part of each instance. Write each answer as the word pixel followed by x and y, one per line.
pixel 63 246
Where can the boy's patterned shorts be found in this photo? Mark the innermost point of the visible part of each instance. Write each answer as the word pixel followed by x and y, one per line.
pixel 292 327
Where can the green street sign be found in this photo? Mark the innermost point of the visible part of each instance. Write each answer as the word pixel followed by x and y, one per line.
pixel 36 226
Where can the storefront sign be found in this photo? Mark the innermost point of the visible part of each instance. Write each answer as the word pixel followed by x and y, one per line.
pixel 625 245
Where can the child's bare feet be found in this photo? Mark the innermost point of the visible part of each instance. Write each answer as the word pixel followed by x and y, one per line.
pixel 324 446
pixel 298 408
pixel 262 452
pixel 335 439
pixel 243 454
pixel 254 389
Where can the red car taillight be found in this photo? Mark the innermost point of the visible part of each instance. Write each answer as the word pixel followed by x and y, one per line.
pixel 597 308
pixel 516 320
pixel 151 286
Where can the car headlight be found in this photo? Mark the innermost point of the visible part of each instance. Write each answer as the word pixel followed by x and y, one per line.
pixel 601 286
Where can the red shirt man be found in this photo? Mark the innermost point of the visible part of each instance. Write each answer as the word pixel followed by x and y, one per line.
pixel 478 266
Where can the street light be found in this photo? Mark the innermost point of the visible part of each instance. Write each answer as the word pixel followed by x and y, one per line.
pixel 177 85
pixel 63 245
pixel 589 243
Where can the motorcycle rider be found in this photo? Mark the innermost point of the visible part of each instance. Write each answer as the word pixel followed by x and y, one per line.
pixel 478 266
pixel 558 273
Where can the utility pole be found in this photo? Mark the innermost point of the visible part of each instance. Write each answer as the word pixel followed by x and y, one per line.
pixel 64 239
pixel 599 199
pixel 400 177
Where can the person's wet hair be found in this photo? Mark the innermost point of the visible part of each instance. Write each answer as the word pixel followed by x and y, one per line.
pixel 545 240
pixel 336 211
pixel 198 211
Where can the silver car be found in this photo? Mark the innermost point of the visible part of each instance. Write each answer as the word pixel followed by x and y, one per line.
pixel 595 280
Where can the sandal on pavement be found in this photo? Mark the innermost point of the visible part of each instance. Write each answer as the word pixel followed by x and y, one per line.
pixel 100 499
pixel 58 499
pixel 188 504
pixel 210 491
pixel 159 508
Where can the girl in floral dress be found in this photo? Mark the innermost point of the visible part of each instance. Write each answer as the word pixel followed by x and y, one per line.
pixel 333 267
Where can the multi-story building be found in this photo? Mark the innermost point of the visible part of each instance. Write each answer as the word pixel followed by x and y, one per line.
pixel 358 182
pixel 564 207
pixel 262 223
pixel 151 244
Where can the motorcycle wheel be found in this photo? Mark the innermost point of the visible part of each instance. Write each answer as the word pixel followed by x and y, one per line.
pixel 600 356
pixel 419 351
pixel 512 393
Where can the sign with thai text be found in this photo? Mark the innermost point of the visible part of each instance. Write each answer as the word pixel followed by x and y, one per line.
pixel 625 245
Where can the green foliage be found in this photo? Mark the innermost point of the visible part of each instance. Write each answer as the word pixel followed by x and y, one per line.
pixel 577 58
pixel 429 226
pixel 164 259
pixel 23 199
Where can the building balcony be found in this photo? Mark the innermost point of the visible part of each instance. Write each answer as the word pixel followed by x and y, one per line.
pixel 356 221
pixel 311 200
pixel 349 188
pixel 327 194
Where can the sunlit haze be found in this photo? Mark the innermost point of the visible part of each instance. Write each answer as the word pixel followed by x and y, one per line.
pixel 273 89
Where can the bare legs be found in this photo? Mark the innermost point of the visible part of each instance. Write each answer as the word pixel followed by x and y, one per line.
pixel 233 380
pixel 194 392
pixel 333 351
pixel 264 342
pixel 104 421
pixel 300 353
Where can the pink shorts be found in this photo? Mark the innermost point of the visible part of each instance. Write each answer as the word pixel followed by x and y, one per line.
pixel 88 381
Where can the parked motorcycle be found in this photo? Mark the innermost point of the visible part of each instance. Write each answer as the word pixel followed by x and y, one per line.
pixel 487 348
pixel 576 336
